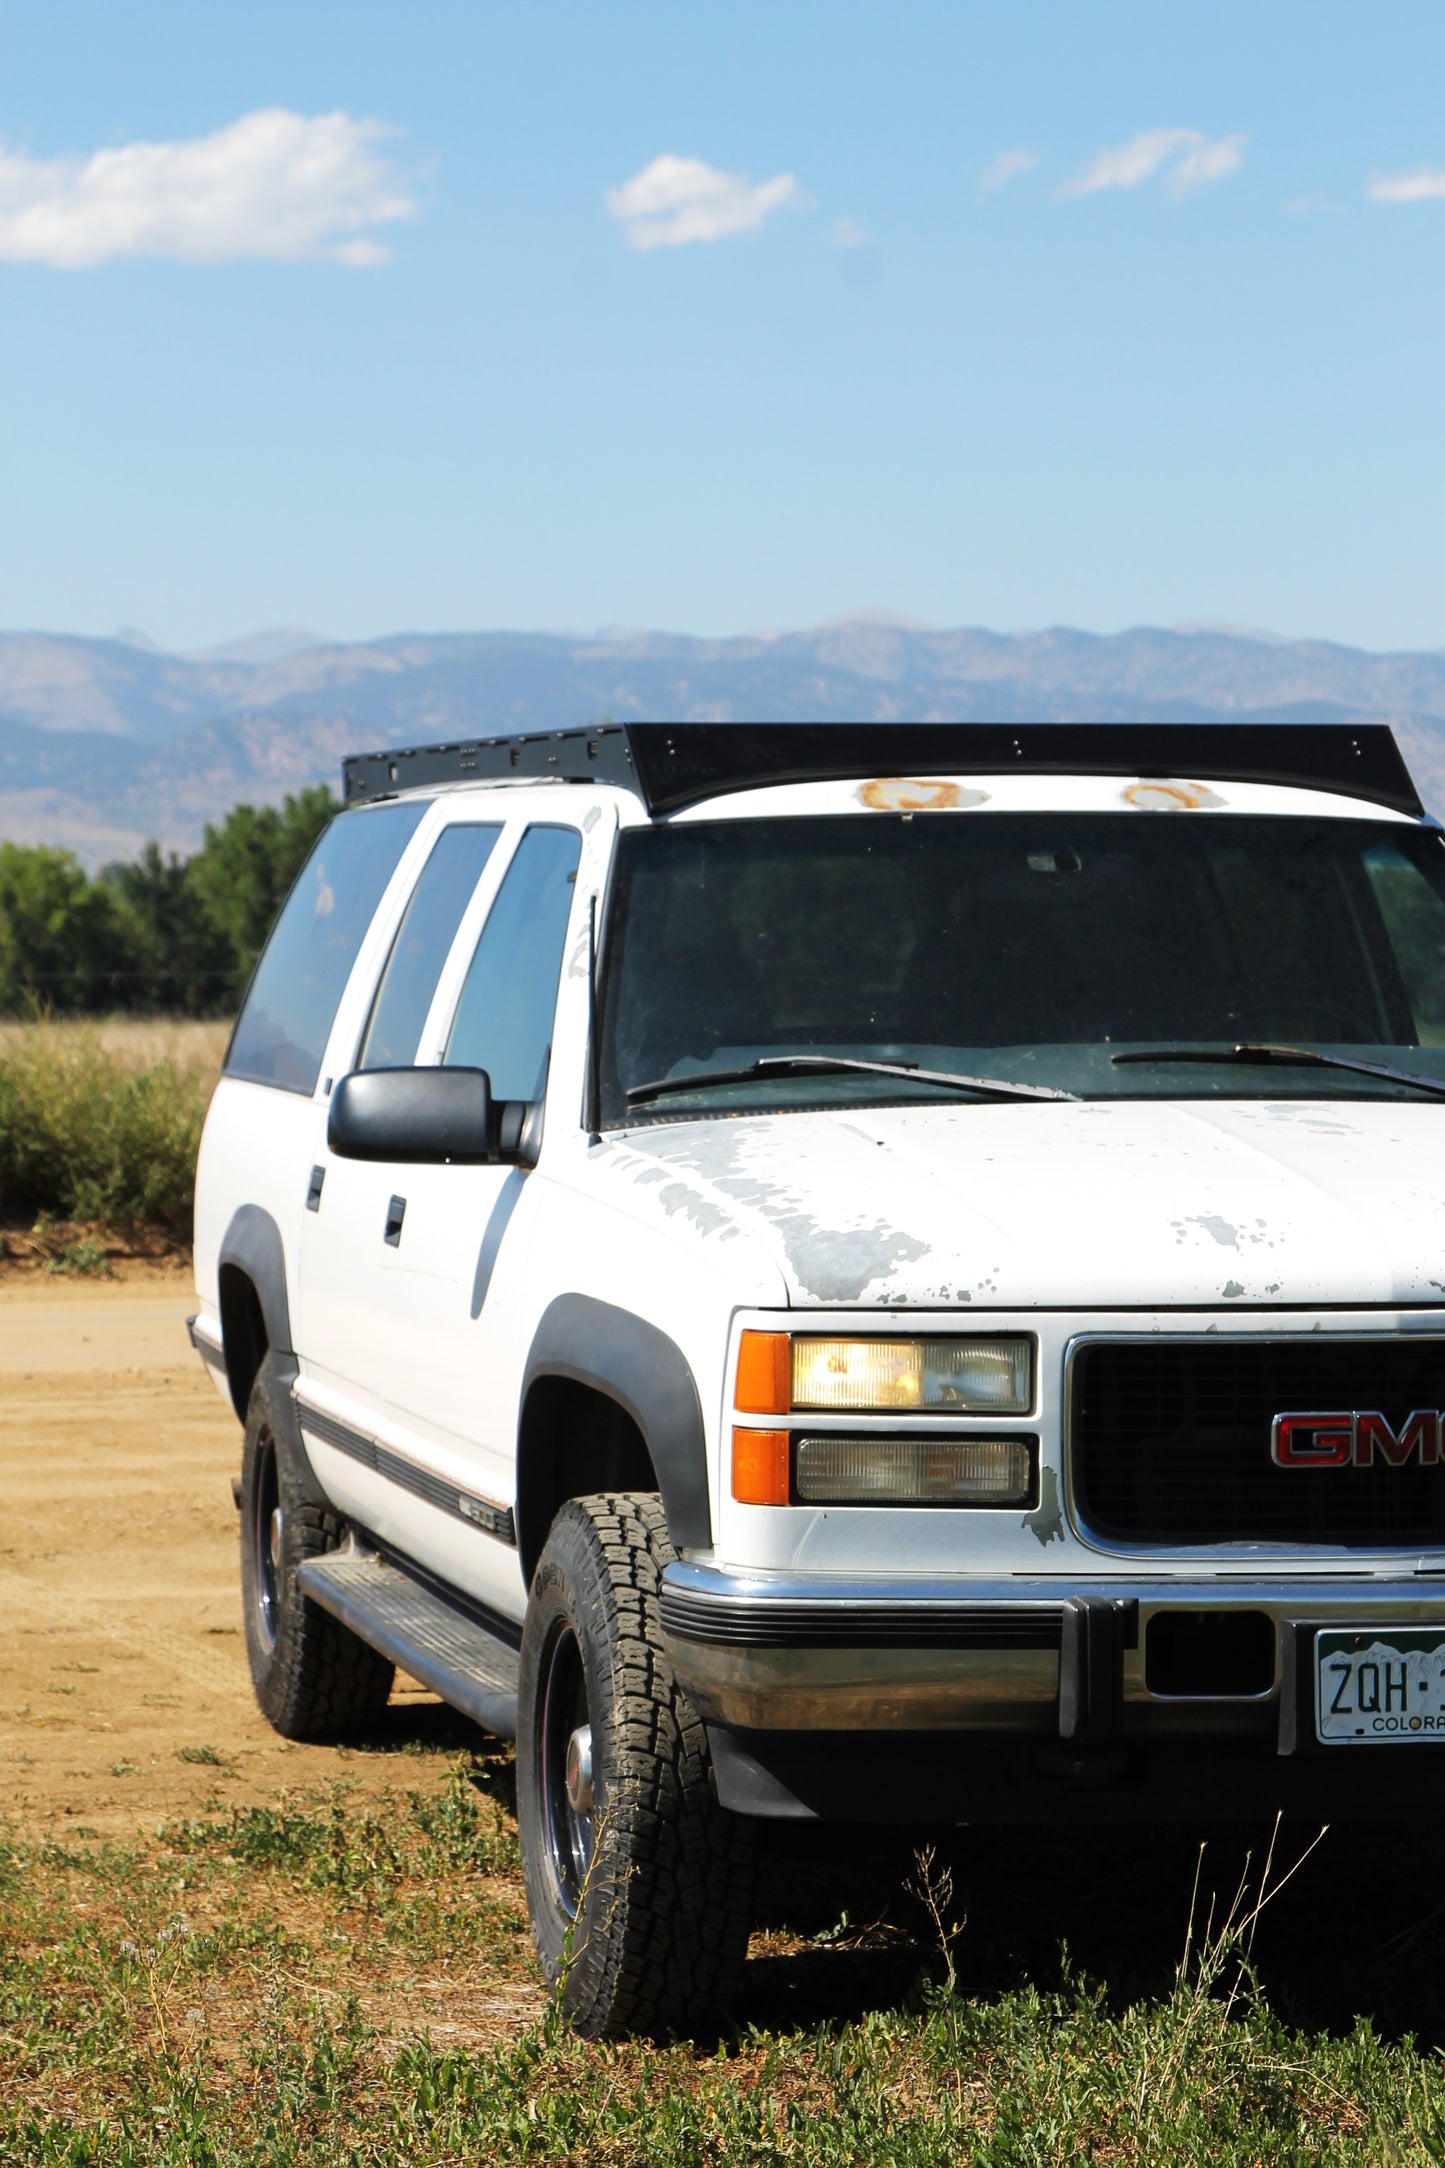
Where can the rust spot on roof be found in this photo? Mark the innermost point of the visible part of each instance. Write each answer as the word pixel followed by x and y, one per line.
pixel 909 794
pixel 1155 797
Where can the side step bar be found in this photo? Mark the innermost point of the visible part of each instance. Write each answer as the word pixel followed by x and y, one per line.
pixel 436 1641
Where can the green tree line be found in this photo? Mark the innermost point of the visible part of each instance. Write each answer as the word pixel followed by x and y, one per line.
pixel 159 935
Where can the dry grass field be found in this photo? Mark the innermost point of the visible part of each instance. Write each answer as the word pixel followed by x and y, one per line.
pixel 132 1043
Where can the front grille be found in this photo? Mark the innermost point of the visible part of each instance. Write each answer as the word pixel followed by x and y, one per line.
pixel 1171 1441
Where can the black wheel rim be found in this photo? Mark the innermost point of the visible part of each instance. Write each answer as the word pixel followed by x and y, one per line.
pixel 266 1540
pixel 568 1819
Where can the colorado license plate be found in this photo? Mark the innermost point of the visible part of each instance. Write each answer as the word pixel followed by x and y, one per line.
pixel 1380 1686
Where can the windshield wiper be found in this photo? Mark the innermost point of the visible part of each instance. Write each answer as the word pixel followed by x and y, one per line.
pixel 1285 1057
pixel 800 1064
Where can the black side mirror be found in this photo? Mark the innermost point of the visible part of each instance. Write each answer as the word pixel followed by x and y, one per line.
pixel 421 1117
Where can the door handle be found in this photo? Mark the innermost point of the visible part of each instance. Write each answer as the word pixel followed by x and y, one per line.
pixel 395 1214
pixel 313 1192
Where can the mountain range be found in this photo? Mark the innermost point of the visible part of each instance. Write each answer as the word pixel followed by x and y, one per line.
pixel 104 743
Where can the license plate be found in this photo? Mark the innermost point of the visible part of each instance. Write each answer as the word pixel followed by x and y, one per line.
pixel 1380 1686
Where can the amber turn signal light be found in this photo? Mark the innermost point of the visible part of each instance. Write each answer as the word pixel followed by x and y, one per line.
pixel 765 1374
pixel 760 1465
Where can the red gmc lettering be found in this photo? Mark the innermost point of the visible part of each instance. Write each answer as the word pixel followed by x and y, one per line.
pixel 1421 1429
pixel 1344 1437
pixel 1312 1441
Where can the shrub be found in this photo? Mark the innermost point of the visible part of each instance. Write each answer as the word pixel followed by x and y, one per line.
pixel 81 1138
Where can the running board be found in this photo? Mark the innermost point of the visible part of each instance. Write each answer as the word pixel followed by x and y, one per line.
pixel 438 1643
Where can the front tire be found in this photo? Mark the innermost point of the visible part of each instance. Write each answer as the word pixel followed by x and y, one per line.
pixel 313 1678
pixel 638 1883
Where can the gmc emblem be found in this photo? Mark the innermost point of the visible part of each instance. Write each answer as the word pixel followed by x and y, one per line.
pixel 1351 1437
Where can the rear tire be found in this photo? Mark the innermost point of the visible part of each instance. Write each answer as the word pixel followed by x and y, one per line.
pixel 313 1678
pixel 638 1883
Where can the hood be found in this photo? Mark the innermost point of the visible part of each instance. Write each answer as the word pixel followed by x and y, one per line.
pixel 1147 1203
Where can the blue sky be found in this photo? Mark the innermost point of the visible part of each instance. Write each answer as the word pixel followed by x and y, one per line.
pixel 408 367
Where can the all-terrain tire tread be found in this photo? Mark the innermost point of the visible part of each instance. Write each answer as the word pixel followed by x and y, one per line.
pixel 668 1926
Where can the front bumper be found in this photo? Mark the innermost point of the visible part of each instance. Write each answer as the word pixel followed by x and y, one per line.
pixel 761 1653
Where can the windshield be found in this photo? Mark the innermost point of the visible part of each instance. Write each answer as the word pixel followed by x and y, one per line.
pixel 1031 947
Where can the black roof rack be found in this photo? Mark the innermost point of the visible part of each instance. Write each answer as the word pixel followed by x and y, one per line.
pixel 573 756
pixel 671 765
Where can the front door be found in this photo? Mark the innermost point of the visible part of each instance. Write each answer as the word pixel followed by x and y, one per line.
pixel 410 1271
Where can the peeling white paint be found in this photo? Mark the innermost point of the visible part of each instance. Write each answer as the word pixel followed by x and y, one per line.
pixel 1046 1521
pixel 995 1206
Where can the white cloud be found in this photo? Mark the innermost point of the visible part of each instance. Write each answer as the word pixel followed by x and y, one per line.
pixel 847 233
pixel 273 186
pixel 677 200
pixel 1423 185
pixel 1007 167
pixel 1182 158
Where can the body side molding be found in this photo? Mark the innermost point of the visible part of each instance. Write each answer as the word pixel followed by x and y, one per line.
pixel 205 1344
pixel 620 1355
pixel 483 1513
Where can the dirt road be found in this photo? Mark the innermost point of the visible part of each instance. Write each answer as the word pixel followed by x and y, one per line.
pixel 124 1694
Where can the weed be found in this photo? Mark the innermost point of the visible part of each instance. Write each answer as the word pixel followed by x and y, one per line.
pixel 83 1258
pixel 933 1888
pixel 361 1853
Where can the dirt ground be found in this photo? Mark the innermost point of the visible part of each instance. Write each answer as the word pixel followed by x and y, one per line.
pixel 124 1694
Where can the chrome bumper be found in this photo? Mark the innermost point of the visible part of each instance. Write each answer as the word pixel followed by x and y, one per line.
pixel 773 1652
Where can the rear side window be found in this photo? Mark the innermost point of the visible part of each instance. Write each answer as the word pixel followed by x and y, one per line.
pixel 282 1030
pixel 504 1018
pixel 423 940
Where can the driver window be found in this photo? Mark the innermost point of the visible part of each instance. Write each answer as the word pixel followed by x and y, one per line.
pixel 504 1017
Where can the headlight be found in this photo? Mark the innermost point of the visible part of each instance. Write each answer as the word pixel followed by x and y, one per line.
pixel 972 1376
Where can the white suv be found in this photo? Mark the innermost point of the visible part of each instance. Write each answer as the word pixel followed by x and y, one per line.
pixel 861 1271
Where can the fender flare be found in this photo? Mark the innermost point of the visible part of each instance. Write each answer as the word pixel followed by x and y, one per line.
pixel 252 1245
pixel 630 1361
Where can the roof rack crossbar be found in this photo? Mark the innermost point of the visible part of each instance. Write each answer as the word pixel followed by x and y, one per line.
pixel 672 765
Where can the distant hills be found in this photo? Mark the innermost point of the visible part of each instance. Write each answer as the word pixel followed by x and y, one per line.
pixel 104 743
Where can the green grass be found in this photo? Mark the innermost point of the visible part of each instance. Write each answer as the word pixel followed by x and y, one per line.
pixel 345 1980
pixel 87 1136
